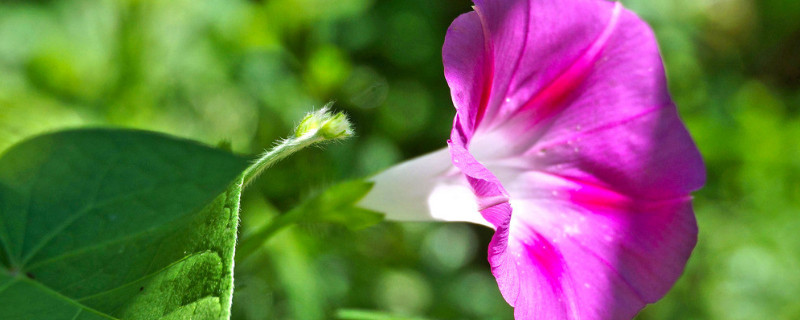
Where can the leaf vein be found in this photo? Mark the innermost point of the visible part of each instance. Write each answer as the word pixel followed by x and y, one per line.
pixel 77 314
pixel 65 298
pixel 91 205
pixel 149 275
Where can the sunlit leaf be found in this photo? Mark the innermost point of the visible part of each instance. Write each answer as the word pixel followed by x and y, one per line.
pixel 117 224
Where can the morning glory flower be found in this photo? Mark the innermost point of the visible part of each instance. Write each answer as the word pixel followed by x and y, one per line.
pixel 567 143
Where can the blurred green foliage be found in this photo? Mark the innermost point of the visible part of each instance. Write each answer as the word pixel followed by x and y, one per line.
pixel 246 71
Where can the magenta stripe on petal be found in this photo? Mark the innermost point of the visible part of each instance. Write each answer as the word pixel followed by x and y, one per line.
pixel 548 101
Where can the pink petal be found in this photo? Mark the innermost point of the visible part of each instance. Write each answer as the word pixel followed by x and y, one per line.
pixel 648 156
pixel 617 127
pixel 569 97
pixel 577 251
pixel 468 69
pixel 491 197
pixel 514 50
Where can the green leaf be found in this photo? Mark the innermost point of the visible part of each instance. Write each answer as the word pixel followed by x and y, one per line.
pixel 334 205
pixel 117 224
pixel 355 314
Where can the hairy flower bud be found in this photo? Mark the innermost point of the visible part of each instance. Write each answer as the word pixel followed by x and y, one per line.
pixel 325 124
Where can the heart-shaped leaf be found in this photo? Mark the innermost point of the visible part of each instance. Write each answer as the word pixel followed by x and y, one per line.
pixel 117 224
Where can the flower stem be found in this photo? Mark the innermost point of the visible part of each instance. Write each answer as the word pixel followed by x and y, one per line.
pixel 277 153
pixel 317 126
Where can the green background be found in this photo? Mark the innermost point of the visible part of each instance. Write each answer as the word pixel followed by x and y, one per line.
pixel 247 71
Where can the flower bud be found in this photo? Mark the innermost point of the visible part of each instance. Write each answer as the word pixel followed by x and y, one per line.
pixel 325 124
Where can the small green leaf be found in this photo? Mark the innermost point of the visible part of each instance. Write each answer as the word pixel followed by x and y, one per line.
pixel 355 314
pixel 334 205
pixel 117 224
